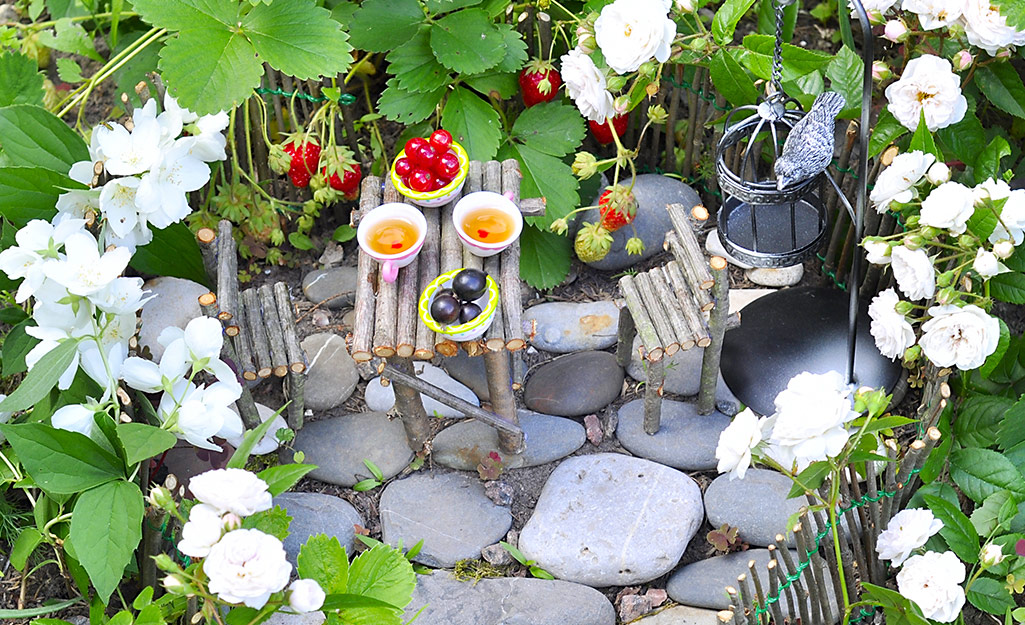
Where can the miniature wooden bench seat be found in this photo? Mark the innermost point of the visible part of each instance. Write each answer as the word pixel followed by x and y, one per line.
pixel 387 325
pixel 666 307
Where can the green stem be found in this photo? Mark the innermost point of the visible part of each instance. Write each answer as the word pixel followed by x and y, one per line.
pixel 834 492
pixel 80 18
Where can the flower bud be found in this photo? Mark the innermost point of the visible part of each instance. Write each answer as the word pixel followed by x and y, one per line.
pixel 585 34
pixel 684 6
pixel 165 563
pixel 621 105
pixel 966 241
pixel 698 44
pixel 881 71
pixel 231 521
pixel 938 173
pixel 929 232
pixel 634 246
pixel 991 555
pixel 875 17
pixel 903 307
pixel 1003 249
pixel 616 83
pixel 913 241
pixel 647 69
pixel 963 60
pixel 946 295
pixel 278 159
pixel 912 221
pixel 584 165
pixel 657 114
pixel 945 278
pixel 559 226
pixel 174 585
pixel 305 595
pixel 912 354
pixel 896 31
pixel 986 264
pixel 160 497
pixel 1003 54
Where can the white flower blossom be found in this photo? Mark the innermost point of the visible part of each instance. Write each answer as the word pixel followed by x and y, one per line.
pixel 874 8
pixel 961 337
pixel 85 271
pixel 231 490
pixel 991 554
pixel 75 418
pixel 36 245
pixel 877 252
pixel 914 272
pixel 737 442
pixel 202 531
pixel 305 595
pixel 928 84
pixel 933 581
pixel 987 28
pixel 810 420
pixel 586 86
pixel 907 530
pixel 896 183
pixel 128 153
pixel 630 32
pixel 949 206
pixel 1012 216
pixel 935 13
pixel 890 329
pixel 938 173
pixel 247 566
pixel 201 413
pixel 162 192
pixel 987 265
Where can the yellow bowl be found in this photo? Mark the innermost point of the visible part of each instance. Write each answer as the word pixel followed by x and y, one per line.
pixel 439 197
pixel 464 331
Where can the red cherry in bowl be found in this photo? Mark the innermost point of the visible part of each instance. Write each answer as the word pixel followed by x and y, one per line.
pixel 414 144
pixel 441 139
pixel 447 165
pixel 403 167
pixel 421 180
pixel 424 156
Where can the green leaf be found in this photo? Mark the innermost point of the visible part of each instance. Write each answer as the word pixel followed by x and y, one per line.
pixel 552 128
pixel 885 423
pixel 41 610
pixel 899 610
pixel 767 18
pixel 474 124
pixel 69 70
pixel 298 38
pixel 494 84
pixel 1014 11
pixel 1012 428
pixel 274 522
pixel 143 599
pixel 547 177
pixel 467 41
pixel 515 49
pixel 20 80
pixel 444 6
pixel 982 472
pixel 986 518
pixel 408 107
pixel 210 69
pixel 27 541
pixel 382 25
pixel 797 61
pixel 185 14
pixel 886 131
pixel 978 421
pixel 544 257
pixel 323 559
pixel 16 345
pixel 846 76
pixel 809 479
pixel 374 470
pixel 142 441
pixel 415 67
pixel 283 476
pixel 344 233
pixel 966 139
pixel 922 139
pixel 60 461
pixel 731 80
pixel 253 436
pixel 172 252
pixel 988 163
pixel 28 193
pixel 105 543
pixel 726 18
pixel 42 377
pixel 383 573
pixel 1008 287
pixel 31 136
pixel 300 241
pixel 1002 85
pixel 957 530
pixel 989 595
pixel 1002 344
pixel 70 37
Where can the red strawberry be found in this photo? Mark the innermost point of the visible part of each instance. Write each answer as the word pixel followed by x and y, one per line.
pixel 540 82
pixel 602 132
pixel 617 207
pixel 343 172
pixel 305 157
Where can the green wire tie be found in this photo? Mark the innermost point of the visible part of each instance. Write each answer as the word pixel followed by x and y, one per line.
pixel 345 98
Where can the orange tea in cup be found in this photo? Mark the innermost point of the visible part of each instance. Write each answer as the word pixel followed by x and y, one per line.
pixel 392 236
pixel 488 225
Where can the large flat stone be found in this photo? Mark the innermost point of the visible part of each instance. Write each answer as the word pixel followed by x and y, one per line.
pixel 448 511
pixel 463 445
pixel 612 520
pixel 332 374
pixel 574 385
pixel 681 615
pixel 686 440
pixel 565 327
pixel 507 601
pixel 339 445
pixel 316 513
pixel 682 369
pixel 757 505
pixel 336 285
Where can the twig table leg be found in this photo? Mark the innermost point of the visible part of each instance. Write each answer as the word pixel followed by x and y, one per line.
pixel 496 364
pixel 653 396
pixel 410 407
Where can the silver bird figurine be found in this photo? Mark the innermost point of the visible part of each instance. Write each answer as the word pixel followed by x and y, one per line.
pixel 808 149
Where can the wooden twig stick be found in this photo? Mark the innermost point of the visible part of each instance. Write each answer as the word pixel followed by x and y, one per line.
pixel 407 316
pixel 759 593
pixel 474 183
pixel 275 335
pixel 688 301
pixel 296 358
pixel 717 330
pixel 677 321
pixel 645 328
pixel 748 598
pixel 207 239
pixel 688 251
pixel 774 591
pixel 258 332
pixel 430 262
pixel 451 259
pixel 243 343
pixel 656 371
pixel 227 275
pixel 509 284
pixel 408 403
pixel 800 593
pixel 625 337
pixel 495 336
pixel 656 312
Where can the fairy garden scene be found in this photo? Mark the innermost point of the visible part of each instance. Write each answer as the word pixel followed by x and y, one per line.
pixel 478 312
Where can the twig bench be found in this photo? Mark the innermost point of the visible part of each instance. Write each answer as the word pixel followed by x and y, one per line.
pixel 260 325
pixel 666 305
pixel 387 326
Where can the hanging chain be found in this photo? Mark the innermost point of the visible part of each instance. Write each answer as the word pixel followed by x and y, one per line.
pixel 777 55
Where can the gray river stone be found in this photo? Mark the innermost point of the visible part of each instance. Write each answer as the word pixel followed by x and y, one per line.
pixel 382 398
pixel 324 284
pixel 612 520
pixel 775 277
pixel 316 513
pixel 574 385
pixel 175 305
pixel 683 369
pixel 507 601
pixel 565 327
pixel 757 505
pixel 463 445
pixel 681 615
pixel 331 376
pixel 685 440
pixel 448 511
pixel 338 446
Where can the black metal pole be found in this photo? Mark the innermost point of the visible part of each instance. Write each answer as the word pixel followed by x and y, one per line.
pixel 859 209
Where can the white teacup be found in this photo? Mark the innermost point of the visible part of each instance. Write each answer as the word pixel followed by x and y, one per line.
pixel 391 263
pixel 486 199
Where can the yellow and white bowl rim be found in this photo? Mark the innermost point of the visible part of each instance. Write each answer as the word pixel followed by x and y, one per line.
pixel 483 318
pixel 425 196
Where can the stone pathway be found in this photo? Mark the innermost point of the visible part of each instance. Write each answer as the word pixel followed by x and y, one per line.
pixel 685 440
pixel 757 505
pixel 339 445
pixel 323 284
pixel 565 327
pixel 332 374
pixel 574 385
pixel 463 445
pixel 382 398
pixel 314 513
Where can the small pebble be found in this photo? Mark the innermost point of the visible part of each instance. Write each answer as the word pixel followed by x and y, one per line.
pixel 657 596
pixel 320 319
pixel 499 492
pixel 595 434
pixel 497 555
pixel 632 607
pixel 333 255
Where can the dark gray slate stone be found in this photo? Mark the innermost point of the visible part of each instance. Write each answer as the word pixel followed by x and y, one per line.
pixel 653 193
pixel 757 505
pixel 683 369
pixel 324 284
pixel 566 327
pixel 339 445
pixel 176 304
pixel 686 440
pixel 315 513
pixel 507 601
pixel 463 445
pixel 470 372
pixel 449 512
pixel 574 385
pixel 382 398
pixel 332 374
pixel 612 520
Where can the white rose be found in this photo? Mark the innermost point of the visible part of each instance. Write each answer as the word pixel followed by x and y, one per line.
pixel 202 531
pixel 247 566
pixel 896 183
pixel 1003 249
pixel 231 490
pixel 933 582
pixel 874 8
pixel 305 595
pixel 585 84
pixel 928 84
pixel 737 441
pixel 991 555
pixel 914 272
pixel 987 28
pixel 935 13
pixel 964 337
pixel 949 206
pixel 987 265
pixel 810 417
pixel 892 332
pixel 684 6
pixel 630 32
pixel 877 252
pixel 1013 213
pixel 908 530
pixel 938 173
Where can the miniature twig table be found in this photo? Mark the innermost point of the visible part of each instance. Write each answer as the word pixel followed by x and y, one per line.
pixel 387 326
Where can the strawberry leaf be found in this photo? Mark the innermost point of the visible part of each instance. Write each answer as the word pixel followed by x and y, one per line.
pixel 544 176
pixel 552 128
pixel 408 107
pixel 415 67
pixel 544 257
pixel 20 80
pixel 474 124
pixel 298 38
pixel 382 25
pixel 467 42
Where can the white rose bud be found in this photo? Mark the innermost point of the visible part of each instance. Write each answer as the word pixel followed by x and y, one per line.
pixel 938 173
pixel 896 31
pixel 684 6
pixel 881 71
pixel 231 521
pixel 991 555
pixel 305 595
pixel 173 585
pixel 1003 249
pixel 963 60
pixel 986 264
